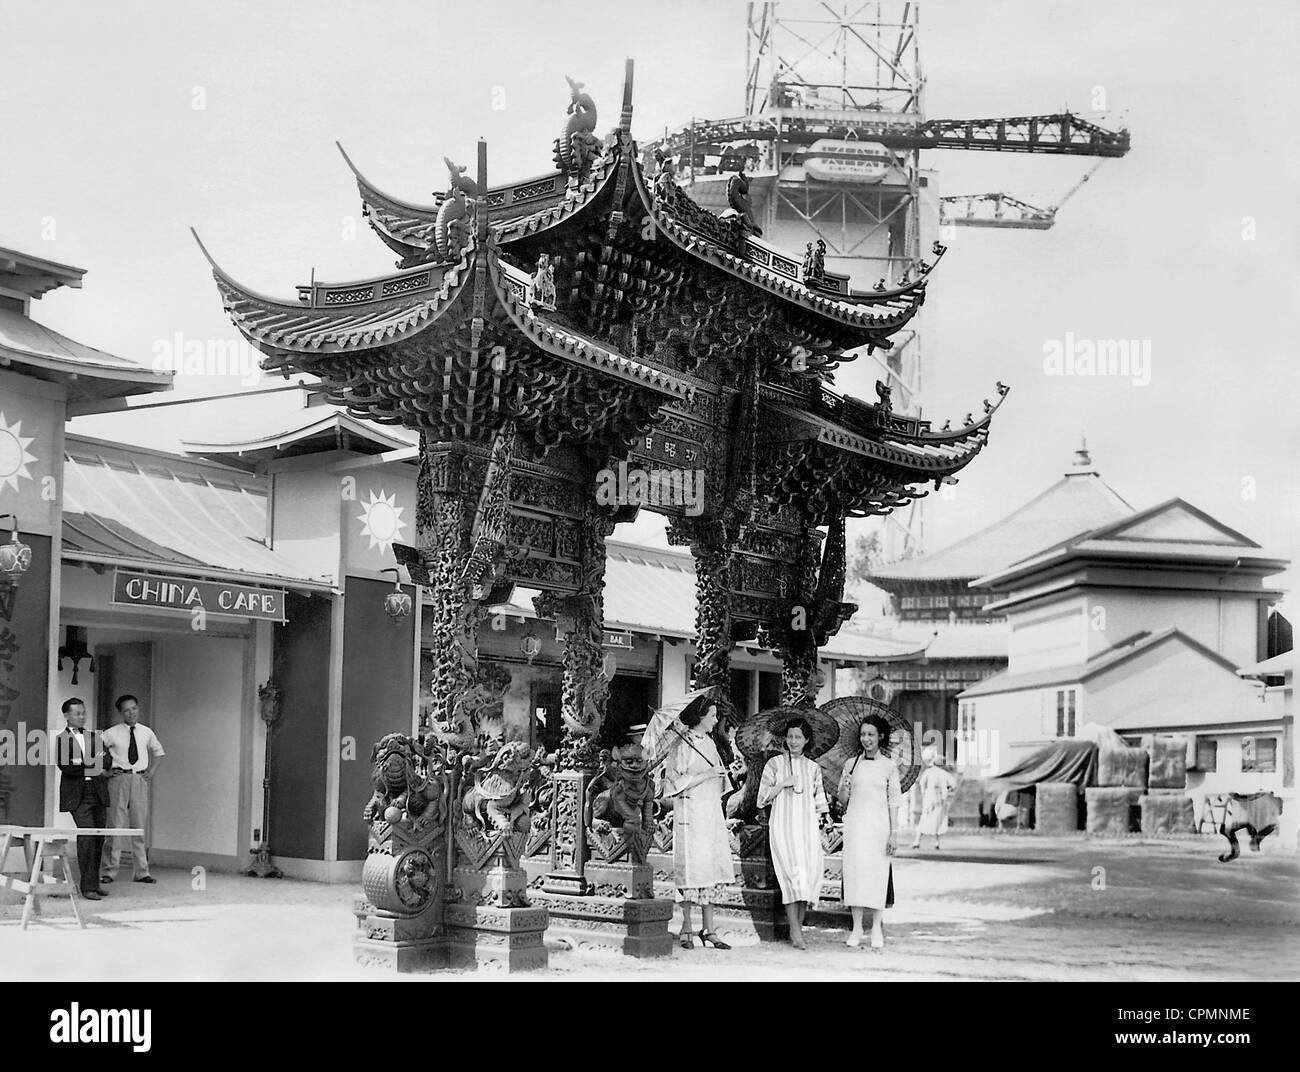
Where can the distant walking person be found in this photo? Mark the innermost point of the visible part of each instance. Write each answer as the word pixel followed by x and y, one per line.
pixel 83 790
pixel 869 791
pixel 137 755
pixel 936 786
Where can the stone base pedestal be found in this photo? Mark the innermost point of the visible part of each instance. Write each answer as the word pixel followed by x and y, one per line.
pixel 504 939
pixel 399 943
pixel 636 927
pixel 632 881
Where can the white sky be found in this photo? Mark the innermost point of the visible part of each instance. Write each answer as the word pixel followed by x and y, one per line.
pixel 100 139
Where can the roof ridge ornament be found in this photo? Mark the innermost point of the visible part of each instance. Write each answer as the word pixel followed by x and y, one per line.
pixel 577 147
pixel 452 228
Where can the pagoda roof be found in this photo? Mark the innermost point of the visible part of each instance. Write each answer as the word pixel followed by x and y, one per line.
pixel 814 453
pixel 527 212
pixel 470 309
pixel 410 229
pixel 695 230
pixel 1076 503
pixel 368 314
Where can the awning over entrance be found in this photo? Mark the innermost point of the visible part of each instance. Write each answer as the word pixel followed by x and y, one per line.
pixel 146 509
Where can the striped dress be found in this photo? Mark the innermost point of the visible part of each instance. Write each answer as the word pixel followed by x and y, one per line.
pixel 796 843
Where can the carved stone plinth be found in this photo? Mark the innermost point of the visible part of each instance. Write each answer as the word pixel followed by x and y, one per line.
pixel 498 887
pixel 399 943
pixel 634 881
pixel 636 927
pixel 503 939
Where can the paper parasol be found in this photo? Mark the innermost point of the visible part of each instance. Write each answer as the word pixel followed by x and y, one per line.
pixel 665 728
pixel 850 712
pixel 764 733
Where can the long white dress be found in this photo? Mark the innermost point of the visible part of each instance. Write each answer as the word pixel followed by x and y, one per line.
pixel 701 851
pixel 936 787
pixel 792 831
pixel 873 788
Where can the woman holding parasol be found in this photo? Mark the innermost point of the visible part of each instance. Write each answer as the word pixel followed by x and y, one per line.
pixel 694 777
pixel 792 785
pixel 881 766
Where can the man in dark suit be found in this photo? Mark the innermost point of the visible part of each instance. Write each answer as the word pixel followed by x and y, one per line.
pixel 83 790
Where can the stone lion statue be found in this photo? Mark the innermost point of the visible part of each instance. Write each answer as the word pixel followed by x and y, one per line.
pixel 498 798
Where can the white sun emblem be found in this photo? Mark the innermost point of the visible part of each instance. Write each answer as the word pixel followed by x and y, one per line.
pixel 14 454
pixel 381 520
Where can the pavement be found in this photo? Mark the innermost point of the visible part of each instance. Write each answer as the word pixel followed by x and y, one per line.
pixel 989 907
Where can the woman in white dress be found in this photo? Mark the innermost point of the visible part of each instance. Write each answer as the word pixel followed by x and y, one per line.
pixel 792 784
pixel 694 778
pixel 869 791
pixel 936 786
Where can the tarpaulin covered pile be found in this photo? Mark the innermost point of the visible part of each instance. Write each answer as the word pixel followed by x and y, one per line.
pixel 1067 760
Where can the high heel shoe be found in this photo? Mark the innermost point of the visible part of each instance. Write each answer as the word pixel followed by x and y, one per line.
pixel 853 940
pixel 708 938
pixel 688 940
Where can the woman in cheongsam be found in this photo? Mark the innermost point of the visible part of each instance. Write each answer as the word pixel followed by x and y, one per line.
pixel 869 791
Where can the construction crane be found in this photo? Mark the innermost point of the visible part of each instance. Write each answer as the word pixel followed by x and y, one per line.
pixel 1003 210
pixel 831 143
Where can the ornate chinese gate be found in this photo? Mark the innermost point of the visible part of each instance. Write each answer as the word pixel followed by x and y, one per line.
pixel 595 328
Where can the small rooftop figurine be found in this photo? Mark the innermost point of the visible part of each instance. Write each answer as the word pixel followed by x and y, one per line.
pixel 543 291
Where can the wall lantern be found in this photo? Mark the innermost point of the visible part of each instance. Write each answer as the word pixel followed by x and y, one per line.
pixel 74 648
pixel 15 560
pixel 397 604
pixel 531 645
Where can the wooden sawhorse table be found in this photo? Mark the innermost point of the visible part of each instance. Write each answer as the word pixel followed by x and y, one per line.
pixel 42 843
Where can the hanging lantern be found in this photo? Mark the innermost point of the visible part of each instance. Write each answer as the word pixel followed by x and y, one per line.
pixel 74 648
pixel 397 604
pixel 15 560
pixel 531 645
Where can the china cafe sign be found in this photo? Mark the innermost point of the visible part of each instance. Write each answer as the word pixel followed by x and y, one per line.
pixel 133 589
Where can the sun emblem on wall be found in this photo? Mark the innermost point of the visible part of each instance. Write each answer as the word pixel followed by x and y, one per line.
pixel 381 520
pixel 14 454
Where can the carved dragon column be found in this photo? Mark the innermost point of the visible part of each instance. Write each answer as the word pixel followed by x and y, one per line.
pixel 461 512
pixel 442 533
pixel 580 619
pixel 711 551
pixel 796 635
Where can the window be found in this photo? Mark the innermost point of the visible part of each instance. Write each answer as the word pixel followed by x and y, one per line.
pixel 1207 754
pixel 966 723
pixel 1065 712
pixel 1259 754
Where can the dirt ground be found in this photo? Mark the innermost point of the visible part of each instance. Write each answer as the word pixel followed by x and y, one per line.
pixel 986 907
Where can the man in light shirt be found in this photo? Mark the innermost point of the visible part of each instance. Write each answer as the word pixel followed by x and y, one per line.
pixel 136 756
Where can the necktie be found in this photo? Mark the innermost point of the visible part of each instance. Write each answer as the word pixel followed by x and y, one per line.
pixel 132 752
